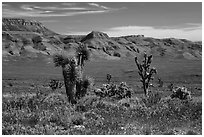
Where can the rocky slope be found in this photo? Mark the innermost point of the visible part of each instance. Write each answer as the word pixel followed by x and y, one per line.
pixel 27 38
pixel 21 37
pixel 23 25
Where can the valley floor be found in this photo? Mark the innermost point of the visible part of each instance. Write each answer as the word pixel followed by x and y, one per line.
pixel 31 107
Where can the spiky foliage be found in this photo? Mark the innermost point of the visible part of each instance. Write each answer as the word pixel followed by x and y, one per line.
pixel 61 60
pixel 82 54
pixel 145 72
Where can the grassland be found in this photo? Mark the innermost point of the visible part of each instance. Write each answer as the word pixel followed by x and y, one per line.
pixel 49 113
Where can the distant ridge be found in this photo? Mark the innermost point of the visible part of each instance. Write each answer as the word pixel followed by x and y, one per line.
pixel 18 24
pixel 30 38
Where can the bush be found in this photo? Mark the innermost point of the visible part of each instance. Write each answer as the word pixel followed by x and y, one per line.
pixel 54 84
pixel 116 91
pixel 181 93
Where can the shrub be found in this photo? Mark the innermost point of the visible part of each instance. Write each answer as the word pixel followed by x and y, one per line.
pixel 112 90
pixel 54 84
pixel 181 93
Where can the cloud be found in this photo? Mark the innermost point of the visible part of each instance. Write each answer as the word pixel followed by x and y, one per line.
pixel 59 9
pixel 188 32
pixel 191 33
pixel 97 5
pixel 27 7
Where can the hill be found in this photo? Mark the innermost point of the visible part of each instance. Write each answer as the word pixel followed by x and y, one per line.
pixel 29 38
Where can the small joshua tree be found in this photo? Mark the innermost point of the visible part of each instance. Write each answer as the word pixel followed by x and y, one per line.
pixel 160 82
pixel 145 71
pixel 69 72
pixel 108 76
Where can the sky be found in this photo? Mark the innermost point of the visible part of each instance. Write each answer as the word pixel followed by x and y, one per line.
pixel 152 19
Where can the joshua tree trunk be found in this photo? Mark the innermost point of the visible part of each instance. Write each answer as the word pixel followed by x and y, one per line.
pixel 79 82
pixel 145 88
pixel 69 85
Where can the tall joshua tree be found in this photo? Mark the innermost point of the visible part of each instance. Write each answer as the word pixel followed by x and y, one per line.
pixel 69 72
pixel 145 71
pixel 82 55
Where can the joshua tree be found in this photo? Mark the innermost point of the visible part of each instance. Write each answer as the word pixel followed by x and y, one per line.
pixel 69 72
pixel 82 55
pixel 108 76
pixel 145 71
pixel 160 82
